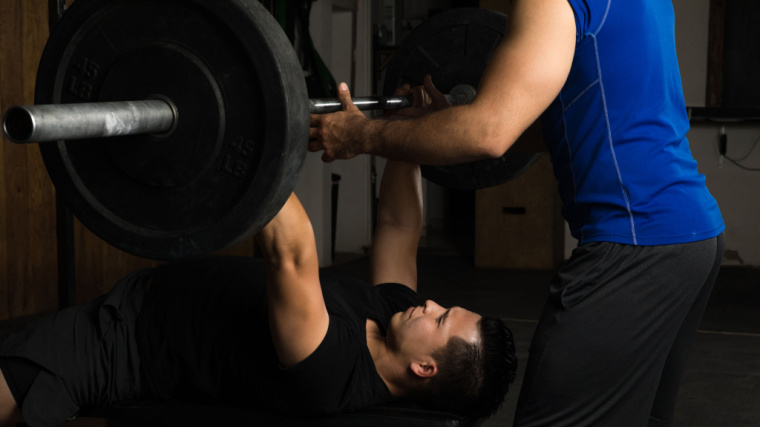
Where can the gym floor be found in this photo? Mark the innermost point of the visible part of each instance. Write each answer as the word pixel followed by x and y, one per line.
pixel 722 382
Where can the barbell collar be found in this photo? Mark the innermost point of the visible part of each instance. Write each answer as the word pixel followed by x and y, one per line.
pixel 56 122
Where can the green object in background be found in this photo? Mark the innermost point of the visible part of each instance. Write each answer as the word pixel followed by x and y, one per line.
pixel 293 16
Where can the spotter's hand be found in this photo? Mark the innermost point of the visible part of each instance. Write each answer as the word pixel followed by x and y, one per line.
pixel 339 134
pixel 427 99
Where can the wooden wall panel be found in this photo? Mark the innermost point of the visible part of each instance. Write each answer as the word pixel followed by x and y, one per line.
pixel 42 293
pixel 5 32
pixel 714 93
pixel 27 263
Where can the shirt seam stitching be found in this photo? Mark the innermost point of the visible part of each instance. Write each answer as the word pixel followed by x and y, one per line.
pixel 610 140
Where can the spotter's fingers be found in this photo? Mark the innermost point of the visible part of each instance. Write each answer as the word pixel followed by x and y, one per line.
pixel 421 97
pixel 344 96
pixel 402 90
pixel 437 98
pixel 327 158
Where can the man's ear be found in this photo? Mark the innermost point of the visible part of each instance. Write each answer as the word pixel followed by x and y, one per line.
pixel 424 369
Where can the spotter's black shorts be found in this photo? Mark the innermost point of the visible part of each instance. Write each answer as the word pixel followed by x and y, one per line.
pixel 615 334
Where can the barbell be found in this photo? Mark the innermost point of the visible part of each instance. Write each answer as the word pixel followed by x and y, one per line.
pixel 54 122
pixel 177 128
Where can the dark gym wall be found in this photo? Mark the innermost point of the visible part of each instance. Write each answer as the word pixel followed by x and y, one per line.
pixel 27 215
pixel 28 266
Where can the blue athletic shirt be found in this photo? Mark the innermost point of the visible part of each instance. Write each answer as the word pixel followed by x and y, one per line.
pixel 617 131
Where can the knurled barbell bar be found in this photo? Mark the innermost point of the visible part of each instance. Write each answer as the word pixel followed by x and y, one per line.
pixel 56 122
pixel 226 147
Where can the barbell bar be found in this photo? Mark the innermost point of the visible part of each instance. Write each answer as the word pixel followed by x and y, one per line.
pixel 55 122
pixel 460 94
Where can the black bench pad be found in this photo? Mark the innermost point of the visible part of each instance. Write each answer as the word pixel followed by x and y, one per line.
pixel 166 413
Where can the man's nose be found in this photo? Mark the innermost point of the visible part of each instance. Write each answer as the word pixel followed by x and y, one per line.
pixel 431 306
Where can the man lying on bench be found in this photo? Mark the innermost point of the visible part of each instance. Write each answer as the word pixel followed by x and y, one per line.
pixel 267 334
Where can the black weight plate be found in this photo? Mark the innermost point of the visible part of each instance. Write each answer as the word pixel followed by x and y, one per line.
pixel 454 47
pixel 239 144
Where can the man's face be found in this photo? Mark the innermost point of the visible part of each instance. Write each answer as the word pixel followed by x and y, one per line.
pixel 426 328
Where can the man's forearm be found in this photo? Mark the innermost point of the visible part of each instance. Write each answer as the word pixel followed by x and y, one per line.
pixel 399 225
pixel 452 135
pixel 401 196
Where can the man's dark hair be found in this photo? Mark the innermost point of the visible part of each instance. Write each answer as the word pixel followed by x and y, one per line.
pixel 472 379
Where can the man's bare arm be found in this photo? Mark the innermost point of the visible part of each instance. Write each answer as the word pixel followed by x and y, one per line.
pixel 525 74
pixel 399 225
pixel 298 318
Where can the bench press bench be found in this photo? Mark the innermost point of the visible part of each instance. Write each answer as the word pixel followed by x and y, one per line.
pixel 174 413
